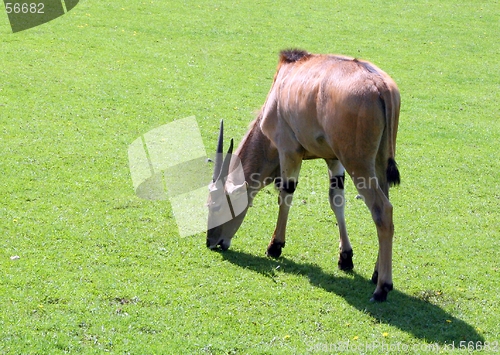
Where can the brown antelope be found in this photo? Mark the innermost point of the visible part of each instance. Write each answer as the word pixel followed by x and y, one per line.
pixel 337 108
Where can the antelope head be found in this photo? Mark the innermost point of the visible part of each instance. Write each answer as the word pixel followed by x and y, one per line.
pixel 227 199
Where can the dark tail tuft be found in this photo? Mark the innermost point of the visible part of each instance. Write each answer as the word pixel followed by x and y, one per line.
pixel 393 177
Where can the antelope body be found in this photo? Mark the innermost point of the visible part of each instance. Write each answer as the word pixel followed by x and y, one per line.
pixel 336 108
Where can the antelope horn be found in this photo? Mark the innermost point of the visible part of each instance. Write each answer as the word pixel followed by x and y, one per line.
pixel 224 171
pixel 218 153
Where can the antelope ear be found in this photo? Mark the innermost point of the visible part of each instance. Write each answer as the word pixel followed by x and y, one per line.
pixel 233 189
pixel 238 196
pixel 212 186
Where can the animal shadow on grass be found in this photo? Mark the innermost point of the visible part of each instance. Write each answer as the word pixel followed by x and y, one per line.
pixel 412 314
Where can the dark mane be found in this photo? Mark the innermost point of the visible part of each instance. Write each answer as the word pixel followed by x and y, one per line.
pixel 367 66
pixel 293 55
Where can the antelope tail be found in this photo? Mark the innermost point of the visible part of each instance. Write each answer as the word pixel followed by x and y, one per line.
pixel 392 102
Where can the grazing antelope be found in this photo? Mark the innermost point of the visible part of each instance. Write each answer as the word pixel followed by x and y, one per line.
pixel 336 108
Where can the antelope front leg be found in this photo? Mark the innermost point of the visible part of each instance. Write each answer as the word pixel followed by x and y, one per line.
pixel 290 165
pixel 285 201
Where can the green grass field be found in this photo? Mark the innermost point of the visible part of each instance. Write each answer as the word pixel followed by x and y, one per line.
pixel 100 270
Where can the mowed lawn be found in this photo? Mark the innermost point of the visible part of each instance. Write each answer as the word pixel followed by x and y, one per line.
pixel 88 267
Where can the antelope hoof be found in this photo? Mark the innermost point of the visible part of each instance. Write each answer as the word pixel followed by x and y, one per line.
pixel 380 295
pixel 375 277
pixel 345 260
pixel 274 249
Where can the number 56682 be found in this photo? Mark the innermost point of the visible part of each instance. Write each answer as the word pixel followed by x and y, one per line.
pixel 24 8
